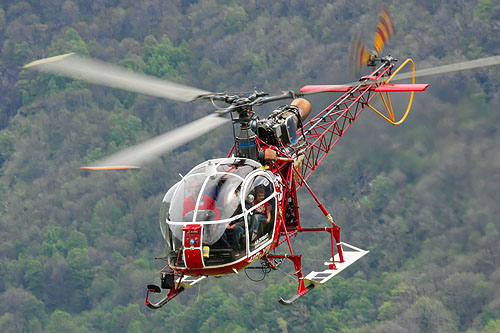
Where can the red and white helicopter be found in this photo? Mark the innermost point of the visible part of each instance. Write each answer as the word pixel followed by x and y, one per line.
pixel 226 214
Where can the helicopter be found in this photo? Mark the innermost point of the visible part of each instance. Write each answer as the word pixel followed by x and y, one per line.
pixel 229 214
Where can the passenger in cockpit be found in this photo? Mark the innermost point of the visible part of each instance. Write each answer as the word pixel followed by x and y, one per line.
pixel 261 213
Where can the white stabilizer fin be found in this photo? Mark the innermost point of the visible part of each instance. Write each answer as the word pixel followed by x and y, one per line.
pixel 189 281
pixel 350 256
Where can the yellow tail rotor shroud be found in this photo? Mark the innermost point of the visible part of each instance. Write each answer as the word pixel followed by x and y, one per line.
pixel 387 103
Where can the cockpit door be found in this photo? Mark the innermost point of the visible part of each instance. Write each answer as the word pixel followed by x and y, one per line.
pixel 260 209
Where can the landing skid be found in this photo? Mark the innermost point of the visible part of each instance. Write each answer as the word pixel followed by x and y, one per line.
pixel 181 284
pixel 295 297
pixel 170 296
pixel 349 257
pixel 335 266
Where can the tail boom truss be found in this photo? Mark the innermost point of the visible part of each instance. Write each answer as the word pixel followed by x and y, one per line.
pixel 321 133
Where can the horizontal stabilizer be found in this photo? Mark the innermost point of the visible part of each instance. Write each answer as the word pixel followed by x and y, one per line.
pixel 350 257
pixel 401 87
pixel 344 88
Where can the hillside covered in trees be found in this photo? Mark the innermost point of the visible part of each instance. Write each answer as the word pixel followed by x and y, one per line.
pixel 77 248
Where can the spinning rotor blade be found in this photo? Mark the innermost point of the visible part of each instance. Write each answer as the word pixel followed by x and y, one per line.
pixel 138 155
pixel 483 62
pixel 98 72
pixel 385 30
pixel 360 54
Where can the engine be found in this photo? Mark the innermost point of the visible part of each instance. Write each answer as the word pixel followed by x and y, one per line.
pixel 283 123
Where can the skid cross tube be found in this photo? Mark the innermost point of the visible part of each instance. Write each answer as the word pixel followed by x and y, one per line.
pixel 335 239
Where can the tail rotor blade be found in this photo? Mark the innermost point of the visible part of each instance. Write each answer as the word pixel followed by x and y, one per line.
pixel 138 155
pixel 385 30
pixel 98 72
pixel 359 55
pixel 483 62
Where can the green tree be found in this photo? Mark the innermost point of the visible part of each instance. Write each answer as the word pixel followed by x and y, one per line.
pixel 163 59
pixel 123 130
pixel 235 19
pixel 33 311
pixel 81 278
pixel 54 241
pixel 76 240
pixel 484 9
pixel 466 293
pixel 492 326
pixel 7 142
pixel 124 318
pixel 382 190
pixel 100 288
pixel 70 41
pixel 107 212
pixel 9 322
pixel 81 274
pixel 135 327
pixel 22 53
pixel 33 275
pixel 430 315
pixel 61 321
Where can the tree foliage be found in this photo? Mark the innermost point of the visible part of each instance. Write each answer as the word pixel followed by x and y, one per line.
pixel 77 248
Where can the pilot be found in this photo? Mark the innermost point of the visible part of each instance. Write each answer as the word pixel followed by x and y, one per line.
pixel 261 213
pixel 206 203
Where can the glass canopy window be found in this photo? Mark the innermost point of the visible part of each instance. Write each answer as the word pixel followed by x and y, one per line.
pixel 207 193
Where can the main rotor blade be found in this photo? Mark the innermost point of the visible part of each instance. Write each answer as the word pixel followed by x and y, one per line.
pixel 98 72
pixel 483 62
pixel 138 155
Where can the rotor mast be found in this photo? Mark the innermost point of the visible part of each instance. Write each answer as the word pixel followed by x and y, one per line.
pixel 245 138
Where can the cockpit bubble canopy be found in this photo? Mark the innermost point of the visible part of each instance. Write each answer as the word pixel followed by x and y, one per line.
pixel 208 196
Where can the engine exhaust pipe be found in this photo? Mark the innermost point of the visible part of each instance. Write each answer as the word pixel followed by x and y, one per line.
pixel 304 108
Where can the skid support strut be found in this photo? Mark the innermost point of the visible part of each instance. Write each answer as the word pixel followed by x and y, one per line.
pixel 303 289
pixel 334 230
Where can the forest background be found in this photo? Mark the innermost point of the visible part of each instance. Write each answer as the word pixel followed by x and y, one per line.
pixel 77 248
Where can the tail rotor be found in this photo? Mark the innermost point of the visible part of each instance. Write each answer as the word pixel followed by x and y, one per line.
pixel 360 53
